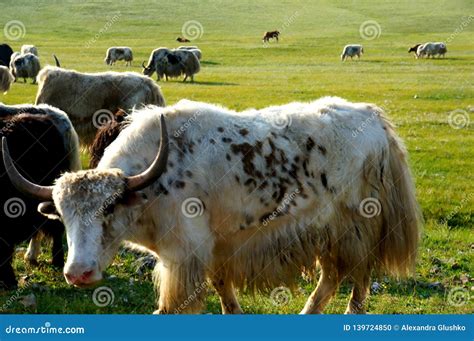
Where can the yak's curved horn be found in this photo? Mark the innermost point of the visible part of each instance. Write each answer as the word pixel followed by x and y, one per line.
pixel 143 180
pixel 44 193
pixel 143 65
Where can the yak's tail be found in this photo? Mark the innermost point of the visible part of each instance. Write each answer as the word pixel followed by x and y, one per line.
pixel 401 221
pixel 56 60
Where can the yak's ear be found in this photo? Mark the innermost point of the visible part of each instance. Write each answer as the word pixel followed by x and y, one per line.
pixel 134 199
pixel 48 209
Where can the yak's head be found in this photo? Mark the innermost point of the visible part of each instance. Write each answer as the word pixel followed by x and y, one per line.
pixel 413 48
pixel 148 69
pixel 89 204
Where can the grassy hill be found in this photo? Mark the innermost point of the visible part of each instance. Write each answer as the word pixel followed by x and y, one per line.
pixel 428 100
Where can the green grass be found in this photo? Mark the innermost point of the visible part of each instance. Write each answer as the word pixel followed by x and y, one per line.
pixel 239 72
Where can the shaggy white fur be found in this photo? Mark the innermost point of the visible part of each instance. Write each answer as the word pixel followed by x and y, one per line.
pixel 250 199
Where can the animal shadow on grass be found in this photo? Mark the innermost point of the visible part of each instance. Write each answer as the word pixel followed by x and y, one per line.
pixel 215 83
pixel 374 61
pixel 209 62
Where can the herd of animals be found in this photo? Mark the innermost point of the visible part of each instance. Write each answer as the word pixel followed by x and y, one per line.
pixel 167 63
pixel 269 201
pixel 184 60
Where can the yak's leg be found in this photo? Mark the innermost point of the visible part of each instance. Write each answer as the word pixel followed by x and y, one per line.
pixel 359 292
pixel 182 286
pixel 182 272
pixel 226 291
pixel 34 249
pixel 327 286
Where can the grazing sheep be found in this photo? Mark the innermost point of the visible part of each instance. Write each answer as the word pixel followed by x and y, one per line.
pixel 172 63
pixel 431 49
pixel 269 35
pixel 119 53
pixel 6 79
pixel 29 49
pixel 26 66
pixel 351 51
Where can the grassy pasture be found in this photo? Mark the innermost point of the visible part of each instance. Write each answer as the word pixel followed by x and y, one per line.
pixel 238 71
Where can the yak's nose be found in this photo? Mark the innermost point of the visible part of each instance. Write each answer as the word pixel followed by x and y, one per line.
pixel 77 274
pixel 78 279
